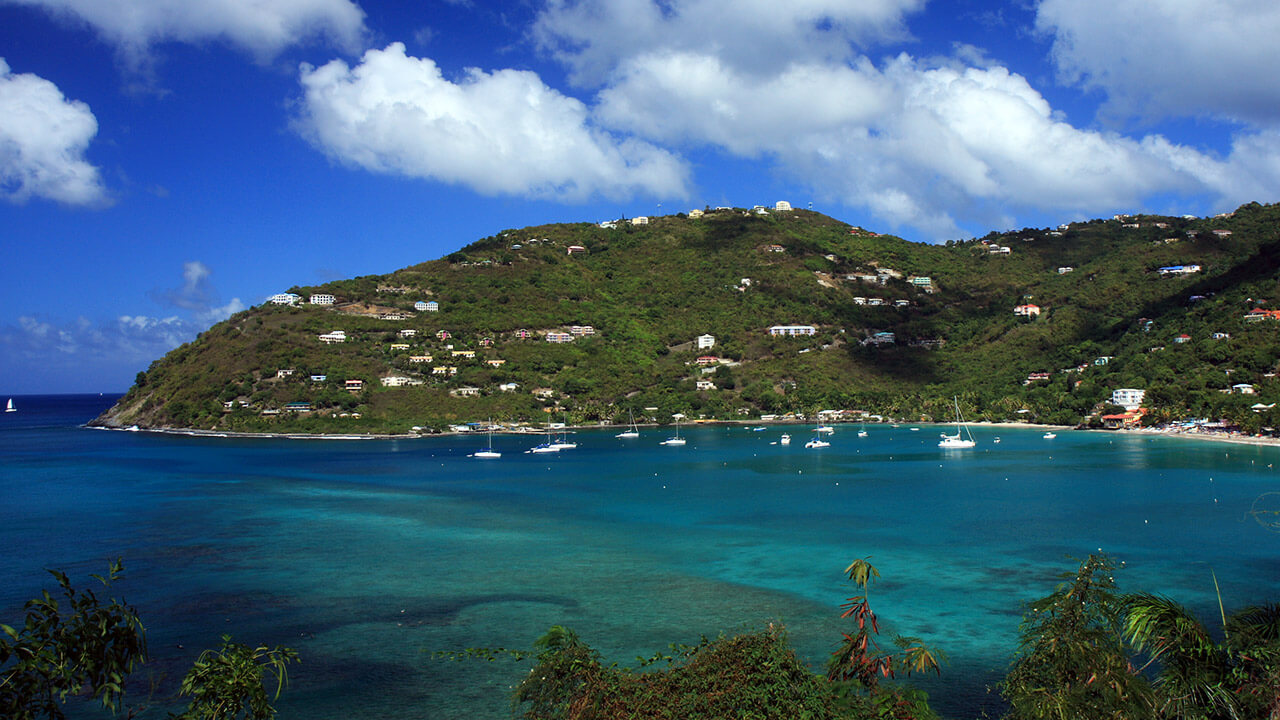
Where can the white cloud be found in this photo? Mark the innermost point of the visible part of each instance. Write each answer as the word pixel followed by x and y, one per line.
pixel 263 27
pixel 1171 58
pixel 926 146
pixel 500 133
pixel 43 137
pixel 593 36
pixel 198 296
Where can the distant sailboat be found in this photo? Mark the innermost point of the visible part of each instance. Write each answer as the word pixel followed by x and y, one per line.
pixel 632 431
pixel 958 440
pixel 786 439
pixel 10 407
pixel 817 441
pixel 677 440
pixel 488 452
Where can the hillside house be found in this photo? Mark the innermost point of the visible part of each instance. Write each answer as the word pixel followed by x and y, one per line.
pixel 431 306
pixel 1027 311
pixel 782 205
pixel 353 386
pixel 419 359
pixel 420 306
pixel 1222 233
pixel 745 282
pixel 1103 360
pixel 284 299
pixel 575 250
pixel 1128 398
pixel 1183 338
pixel 642 220
pixel 465 392
pixel 408 333
pixel 998 250
pixel 706 360
pixel 706 341
pixel 695 214
pixel 859 300
pixel 581 330
pixel 509 387
pixel 1066 269
pixel 495 362
pixel 1036 377
pixel 1172 270
pixel 881 338
pixel 443 335
pixel 774 248
pixel 1221 336
pixel 1242 389
pixel 399 346
pixel 791 330
pixel 323 299
pixel 704 385
pixel 875 302
pixel 1258 315
pixel 319 378
pixel 284 373
pixel 523 334
pixel 923 282
pixel 559 337
pixel 335 336
pixel 466 354
pixel 297 407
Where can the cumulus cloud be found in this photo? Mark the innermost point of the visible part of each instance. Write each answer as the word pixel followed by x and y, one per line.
pixel 263 27
pixel 197 295
pixel 593 36
pixel 928 146
pixel 43 138
pixel 500 133
pixel 1170 58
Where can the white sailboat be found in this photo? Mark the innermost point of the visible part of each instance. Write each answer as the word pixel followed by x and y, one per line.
pixel 547 447
pixel 676 440
pixel 817 441
pixel 10 407
pixel 488 452
pixel 786 439
pixel 632 431
pixel 963 438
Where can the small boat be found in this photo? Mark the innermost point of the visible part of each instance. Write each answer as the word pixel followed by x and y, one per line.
pixel 547 447
pixel 676 439
pixel 957 441
pixel 632 431
pixel 862 433
pixel 133 428
pixel 10 407
pixel 996 440
pixel 562 443
pixel 827 429
pixel 786 439
pixel 488 452
pixel 817 442
pixel 1050 435
pixel 759 428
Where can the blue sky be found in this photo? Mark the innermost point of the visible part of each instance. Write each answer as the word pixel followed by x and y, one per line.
pixel 164 163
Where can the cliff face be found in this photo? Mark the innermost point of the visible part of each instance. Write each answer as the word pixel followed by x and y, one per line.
pixel 594 323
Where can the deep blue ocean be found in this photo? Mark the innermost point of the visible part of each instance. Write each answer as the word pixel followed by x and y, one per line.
pixel 368 556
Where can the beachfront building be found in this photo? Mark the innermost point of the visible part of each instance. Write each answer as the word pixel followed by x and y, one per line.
pixel 706 341
pixel 323 299
pixel 791 330
pixel 1128 398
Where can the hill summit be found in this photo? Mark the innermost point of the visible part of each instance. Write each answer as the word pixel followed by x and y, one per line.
pixel 737 313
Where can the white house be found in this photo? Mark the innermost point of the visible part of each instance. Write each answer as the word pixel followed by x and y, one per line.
pixel 793 330
pixel 323 299
pixel 1242 389
pixel 399 381
pixel 705 385
pixel 1128 398
pixel 559 337
pixel 431 306
pixel 642 220
pixel 408 332
pixel 706 341
pixel 284 299
pixel 284 372
pixel 581 330
pixel 420 358
pixel 335 336
pixel 695 213
pixel 1179 270
pixel 420 306
pixel 1027 311
pixel 782 205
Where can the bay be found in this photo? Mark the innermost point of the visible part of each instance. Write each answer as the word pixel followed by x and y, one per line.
pixel 368 556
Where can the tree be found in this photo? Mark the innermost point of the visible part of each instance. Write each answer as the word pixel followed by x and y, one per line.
pixel 230 683
pixel 82 646
pixel 1072 662
pixel 1200 678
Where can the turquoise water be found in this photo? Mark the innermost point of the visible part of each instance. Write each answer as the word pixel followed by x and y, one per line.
pixel 367 556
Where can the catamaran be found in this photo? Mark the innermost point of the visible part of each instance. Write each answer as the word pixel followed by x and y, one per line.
pixel 959 440
pixel 10 407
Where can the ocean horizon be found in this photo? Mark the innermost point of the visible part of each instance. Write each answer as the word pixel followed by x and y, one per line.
pixel 369 556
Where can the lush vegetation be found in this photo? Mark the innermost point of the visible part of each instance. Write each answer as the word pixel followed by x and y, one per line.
pixel 75 644
pixel 1108 319
pixel 1086 652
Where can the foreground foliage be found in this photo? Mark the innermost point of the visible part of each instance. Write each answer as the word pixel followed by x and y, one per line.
pixel 78 645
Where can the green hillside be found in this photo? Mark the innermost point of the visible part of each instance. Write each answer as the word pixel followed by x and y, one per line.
pixel 647 291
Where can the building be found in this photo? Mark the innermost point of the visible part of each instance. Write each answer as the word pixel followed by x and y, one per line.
pixel 297 407
pixel 335 336
pixel 467 354
pixel 420 358
pixel 695 214
pixel 705 385
pixel 1128 398
pixel 582 330
pixel 431 306
pixel 420 306
pixel 523 334
pixel 408 333
pixel 465 392
pixel 284 299
pixel 443 335
pixel 921 281
pixel 1123 421
pixel 774 248
pixel 707 360
pixel 642 220
pixel 1027 311
pixel 399 381
pixel 1178 270
pixel 1242 389
pixel 881 338
pixel 353 386
pixel 323 299
pixel 284 373
pixel 319 378
pixel 495 362
pixel 706 341
pixel 782 205
pixel 790 330
pixel 1183 338
pixel 1065 269
pixel 576 250
pixel 399 346
pixel 559 337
